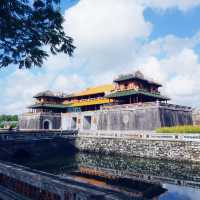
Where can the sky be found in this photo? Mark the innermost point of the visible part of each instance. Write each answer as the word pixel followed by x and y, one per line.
pixel 161 38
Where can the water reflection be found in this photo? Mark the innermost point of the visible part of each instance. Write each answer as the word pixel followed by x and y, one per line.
pixel 180 193
pixel 181 180
pixel 187 174
pixel 125 185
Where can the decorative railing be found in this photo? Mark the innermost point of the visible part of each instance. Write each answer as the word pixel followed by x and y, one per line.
pixel 174 106
pixel 128 106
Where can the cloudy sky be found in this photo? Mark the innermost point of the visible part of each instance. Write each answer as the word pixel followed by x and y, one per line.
pixel 159 37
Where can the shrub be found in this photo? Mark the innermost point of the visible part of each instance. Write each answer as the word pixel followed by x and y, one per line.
pixel 179 129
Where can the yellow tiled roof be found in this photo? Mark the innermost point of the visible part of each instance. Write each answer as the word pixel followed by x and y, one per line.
pixel 91 102
pixel 95 90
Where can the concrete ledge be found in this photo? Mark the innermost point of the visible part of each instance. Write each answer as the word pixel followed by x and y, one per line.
pixel 142 135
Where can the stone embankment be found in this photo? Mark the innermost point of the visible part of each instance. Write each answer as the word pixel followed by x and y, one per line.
pixel 179 147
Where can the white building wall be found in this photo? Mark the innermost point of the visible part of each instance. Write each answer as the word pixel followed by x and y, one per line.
pixel 66 119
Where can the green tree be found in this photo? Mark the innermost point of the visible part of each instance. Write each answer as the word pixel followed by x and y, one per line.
pixel 8 118
pixel 26 27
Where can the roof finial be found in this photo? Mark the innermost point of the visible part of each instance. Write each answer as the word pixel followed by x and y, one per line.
pixel 139 74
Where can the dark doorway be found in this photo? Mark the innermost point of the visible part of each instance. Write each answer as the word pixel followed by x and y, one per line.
pixel 46 125
pixel 87 123
pixel 74 123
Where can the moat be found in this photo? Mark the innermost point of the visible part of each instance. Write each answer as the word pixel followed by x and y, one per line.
pixel 178 181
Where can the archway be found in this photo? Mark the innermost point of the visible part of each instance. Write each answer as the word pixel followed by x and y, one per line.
pixel 47 125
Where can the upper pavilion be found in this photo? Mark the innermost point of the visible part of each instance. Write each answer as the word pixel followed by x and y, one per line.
pixel 48 101
pixel 125 89
pixel 135 88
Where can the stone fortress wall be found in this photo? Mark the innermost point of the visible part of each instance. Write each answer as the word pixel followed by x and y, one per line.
pixel 36 121
pixel 196 116
pixel 146 116
pixel 129 130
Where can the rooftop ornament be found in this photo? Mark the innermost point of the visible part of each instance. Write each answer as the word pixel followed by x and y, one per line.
pixel 138 75
pixel 49 93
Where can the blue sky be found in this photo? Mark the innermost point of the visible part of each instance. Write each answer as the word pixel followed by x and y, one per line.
pixel 173 21
pixel 159 37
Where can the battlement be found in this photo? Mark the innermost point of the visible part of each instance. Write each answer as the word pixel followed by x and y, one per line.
pixel 145 105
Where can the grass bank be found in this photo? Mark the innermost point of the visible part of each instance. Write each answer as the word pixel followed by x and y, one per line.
pixel 179 129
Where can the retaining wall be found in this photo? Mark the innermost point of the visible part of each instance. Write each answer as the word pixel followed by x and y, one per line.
pixel 172 147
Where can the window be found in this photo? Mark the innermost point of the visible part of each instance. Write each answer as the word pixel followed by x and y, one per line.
pixel 126 86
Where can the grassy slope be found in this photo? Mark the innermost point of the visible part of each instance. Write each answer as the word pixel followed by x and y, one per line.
pixel 179 129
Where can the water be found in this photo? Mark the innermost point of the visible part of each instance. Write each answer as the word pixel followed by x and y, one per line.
pixel 181 180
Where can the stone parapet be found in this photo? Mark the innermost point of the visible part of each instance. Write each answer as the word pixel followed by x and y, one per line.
pixel 136 106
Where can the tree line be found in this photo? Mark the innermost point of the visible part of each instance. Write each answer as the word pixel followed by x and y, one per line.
pixel 8 118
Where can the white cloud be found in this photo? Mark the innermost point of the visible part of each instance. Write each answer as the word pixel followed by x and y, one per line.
pixel 182 86
pixel 152 69
pixel 68 84
pixel 168 46
pixel 95 23
pixel 184 63
pixel 57 62
pixel 179 75
pixel 105 31
pixel 21 86
pixel 183 5
pixel 18 90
